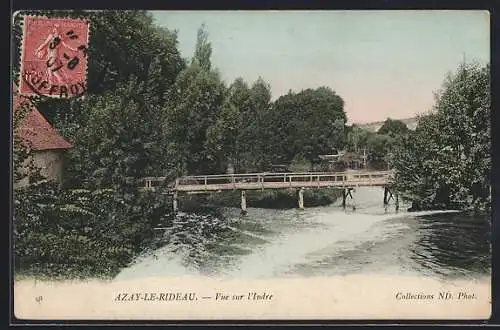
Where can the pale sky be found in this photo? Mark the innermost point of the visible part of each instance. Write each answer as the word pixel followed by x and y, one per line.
pixel 382 63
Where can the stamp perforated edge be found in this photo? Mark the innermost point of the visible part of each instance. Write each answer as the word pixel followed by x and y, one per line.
pixel 23 26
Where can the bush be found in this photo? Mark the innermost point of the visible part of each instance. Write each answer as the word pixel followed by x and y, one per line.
pixel 81 233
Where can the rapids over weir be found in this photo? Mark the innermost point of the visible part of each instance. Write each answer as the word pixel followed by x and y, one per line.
pixel 326 241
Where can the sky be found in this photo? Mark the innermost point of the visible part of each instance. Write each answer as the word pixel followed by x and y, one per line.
pixel 384 64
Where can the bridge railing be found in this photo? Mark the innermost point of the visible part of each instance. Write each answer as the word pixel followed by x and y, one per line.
pixel 155 182
pixel 235 180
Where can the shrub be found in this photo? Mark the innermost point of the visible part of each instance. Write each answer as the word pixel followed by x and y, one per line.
pixel 81 233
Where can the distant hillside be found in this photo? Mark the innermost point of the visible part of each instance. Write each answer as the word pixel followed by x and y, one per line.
pixel 411 123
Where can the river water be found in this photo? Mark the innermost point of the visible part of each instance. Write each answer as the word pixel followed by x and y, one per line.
pixel 323 241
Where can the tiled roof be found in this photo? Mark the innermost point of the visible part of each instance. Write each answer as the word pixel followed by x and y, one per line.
pixel 36 131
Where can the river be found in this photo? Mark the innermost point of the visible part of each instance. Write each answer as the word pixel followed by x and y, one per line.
pixel 323 241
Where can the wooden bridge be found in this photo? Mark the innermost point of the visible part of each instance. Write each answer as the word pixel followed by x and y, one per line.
pixel 261 181
pixel 203 184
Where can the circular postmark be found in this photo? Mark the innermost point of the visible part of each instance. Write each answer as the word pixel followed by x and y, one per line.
pixel 54 57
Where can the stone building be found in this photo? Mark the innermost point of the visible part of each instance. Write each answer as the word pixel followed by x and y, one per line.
pixel 46 144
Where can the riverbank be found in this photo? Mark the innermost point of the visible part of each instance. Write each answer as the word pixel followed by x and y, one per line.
pixel 465 207
pixel 91 267
pixel 64 234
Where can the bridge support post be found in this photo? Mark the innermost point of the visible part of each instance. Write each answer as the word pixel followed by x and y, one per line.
pixel 352 197
pixel 243 203
pixel 301 198
pixel 175 205
pixel 385 198
pixel 344 196
pixel 388 195
pixel 347 192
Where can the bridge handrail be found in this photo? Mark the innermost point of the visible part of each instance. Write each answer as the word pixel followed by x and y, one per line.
pixel 262 177
pixel 268 174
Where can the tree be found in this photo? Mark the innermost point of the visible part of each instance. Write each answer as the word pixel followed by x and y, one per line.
pixel 122 138
pixel 198 100
pixel 308 123
pixel 380 149
pixel 238 99
pixel 252 139
pixel 203 50
pixel 357 138
pixel 222 135
pixel 415 161
pixel 449 153
pixel 393 127
pixel 239 131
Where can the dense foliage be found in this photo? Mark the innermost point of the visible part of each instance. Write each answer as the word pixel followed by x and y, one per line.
pixel 393 127
pixel 307 124
pixel 446 162
pixel 378 146
pixel 79 232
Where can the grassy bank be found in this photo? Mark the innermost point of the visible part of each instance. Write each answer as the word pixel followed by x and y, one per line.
pixel 273 199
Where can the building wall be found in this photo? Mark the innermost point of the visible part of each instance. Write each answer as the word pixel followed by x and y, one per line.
pixel 50 163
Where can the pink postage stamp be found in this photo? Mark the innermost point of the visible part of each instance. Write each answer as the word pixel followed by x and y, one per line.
pixel 54 57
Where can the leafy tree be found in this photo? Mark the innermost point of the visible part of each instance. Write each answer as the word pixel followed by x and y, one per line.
pixel 450 149
pixel 198 99
pixel 116 141
pixel 393 127
pixel 414 162
pixel 252 140
pixel 203 50
pixel 260 99
pixel 379 148
pixel 222 135
pixel 238 99
pixel 357 138
pixel 308 123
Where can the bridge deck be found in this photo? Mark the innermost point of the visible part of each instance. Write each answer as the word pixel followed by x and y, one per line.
pixel 255 181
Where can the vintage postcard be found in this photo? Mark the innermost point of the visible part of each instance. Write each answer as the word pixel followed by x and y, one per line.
pixel 251 165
